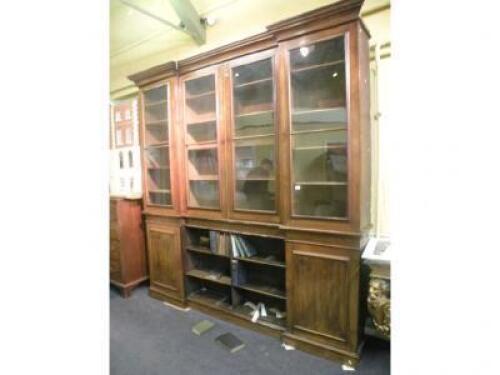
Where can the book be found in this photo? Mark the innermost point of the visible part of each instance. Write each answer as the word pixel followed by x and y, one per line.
pixel 201 327
pixel 213 241
pixel 230 342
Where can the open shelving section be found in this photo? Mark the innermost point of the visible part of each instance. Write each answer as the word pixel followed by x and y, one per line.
pixel 238 273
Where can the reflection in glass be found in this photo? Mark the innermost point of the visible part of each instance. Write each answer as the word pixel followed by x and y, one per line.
pixel 204 193
pixel 319 129
pixel 254 164
pixel 201 140
pixel 253 106
pixel 157 158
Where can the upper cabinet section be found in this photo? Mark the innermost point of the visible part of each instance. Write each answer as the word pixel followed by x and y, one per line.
pixel 201 138
pixel 253 136
pixel 272 129
pixel 319 129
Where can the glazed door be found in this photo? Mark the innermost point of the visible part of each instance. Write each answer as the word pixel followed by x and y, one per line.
pixel 254 187
pixel 203 135
pixel 165 264
pixel 158 145
pixel 322 131
pixel 323 287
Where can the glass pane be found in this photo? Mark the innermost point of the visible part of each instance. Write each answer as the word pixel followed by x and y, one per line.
pixel 320 200
pixel 319 120
pixel 255 174
pixel 155 95
pixel 319 53
pixel 319 129
pixel 156 112
pixel 204 193
pixel 256 124
pixel 156 133
pixel 200 100
pixel 202 132
pixel 253 106
pixel 201 138
pixel 253 88
pixel 203 164
pixel 320 157
pixel 158 175
pixel 156 116
pixel 157 157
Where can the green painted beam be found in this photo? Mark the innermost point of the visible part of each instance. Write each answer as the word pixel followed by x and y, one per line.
pixel 190 19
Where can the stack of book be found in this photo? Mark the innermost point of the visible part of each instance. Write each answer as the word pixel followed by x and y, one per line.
pixel 219 243
pixel 241 248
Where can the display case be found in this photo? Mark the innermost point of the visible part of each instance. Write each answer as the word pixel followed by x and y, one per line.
pixel 266 140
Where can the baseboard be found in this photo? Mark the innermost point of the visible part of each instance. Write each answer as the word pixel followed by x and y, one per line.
pixel 162 296
pixel 322 350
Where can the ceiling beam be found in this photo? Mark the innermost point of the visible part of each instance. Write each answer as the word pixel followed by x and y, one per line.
pixel 191 21
pixel 152 15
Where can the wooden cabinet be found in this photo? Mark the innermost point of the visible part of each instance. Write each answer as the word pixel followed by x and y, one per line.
pixel 127 263
pixel 323 307
pixel 266 139
pixel 165 264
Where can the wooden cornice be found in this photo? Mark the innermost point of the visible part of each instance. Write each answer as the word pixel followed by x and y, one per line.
pixel 318 19
pixel 239 48
pixel 153 74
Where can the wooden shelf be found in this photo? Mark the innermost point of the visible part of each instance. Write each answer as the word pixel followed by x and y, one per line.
pixel 269 321
pixel 158 168
pixel 204 250
pixel 262 260
pixel 256 113
pixel 210 299
pixel 317 66
pixel 243 137
pixel 321 183
pixel 157 145
pixel 258 81
pixel 202 143
pixel 157 123
pixel 255 179
pixel 329 147
pixel 188 97
pixel 312 131
pixel 204 178
pixel 159 191
pixel 207 275
pixel 202 146
pixel 317 110
pixel 157 102
pixel 262 289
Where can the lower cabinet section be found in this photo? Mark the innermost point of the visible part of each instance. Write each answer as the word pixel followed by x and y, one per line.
pixel 304 293
pixel 322 284
pixel 165 263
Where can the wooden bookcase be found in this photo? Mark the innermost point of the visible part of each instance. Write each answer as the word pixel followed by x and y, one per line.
pixel 266 139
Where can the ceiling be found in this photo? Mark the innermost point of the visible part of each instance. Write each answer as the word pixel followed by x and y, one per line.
pixel 138 41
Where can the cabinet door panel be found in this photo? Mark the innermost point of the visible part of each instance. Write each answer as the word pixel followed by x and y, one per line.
pixel 164 259
pixel 323 287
